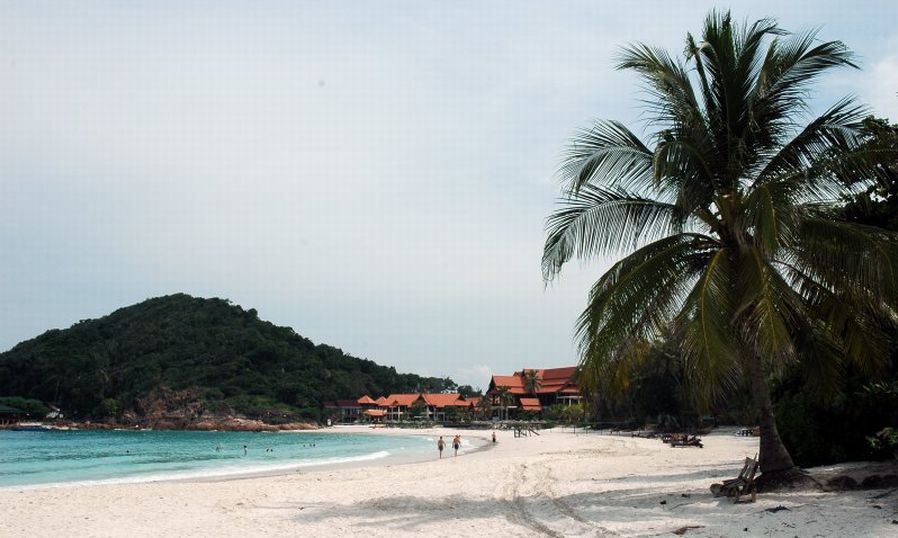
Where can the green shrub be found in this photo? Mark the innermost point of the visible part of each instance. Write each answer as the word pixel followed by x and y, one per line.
pixel 554 412
pixel 32 408
pixel 108 407
pixel 884 443
pixel 819 432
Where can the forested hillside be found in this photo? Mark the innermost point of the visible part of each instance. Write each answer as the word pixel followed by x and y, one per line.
pixel 223 358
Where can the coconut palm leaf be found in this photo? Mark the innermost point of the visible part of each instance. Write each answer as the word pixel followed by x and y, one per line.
pixel 608 150
pixel 616 213
pixel 710 349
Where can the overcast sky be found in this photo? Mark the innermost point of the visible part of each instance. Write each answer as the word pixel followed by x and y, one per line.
pixel 375 175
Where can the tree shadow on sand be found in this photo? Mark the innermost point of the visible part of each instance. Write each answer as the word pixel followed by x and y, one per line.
pixel 547 515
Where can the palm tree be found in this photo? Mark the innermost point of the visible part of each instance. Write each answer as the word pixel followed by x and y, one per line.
pixel 532 382
pixel 727 221
pixel 503 395
pixel 484 408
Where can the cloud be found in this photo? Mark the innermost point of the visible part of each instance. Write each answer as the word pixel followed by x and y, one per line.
pixel 880 88
pixel 395 211
pixel 477 375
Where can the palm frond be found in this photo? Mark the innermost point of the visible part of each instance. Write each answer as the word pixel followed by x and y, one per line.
pixel 789 68
pixel 710 351
pixel 834 328
pixel 728 60
pixel 849 258
pixel 770 216
pixel 594 221
pixel 767 308
pixel 671 95
pixel 836 132
pixel 680 165
pixel 821 355
pixel 608 154
pixel 637 298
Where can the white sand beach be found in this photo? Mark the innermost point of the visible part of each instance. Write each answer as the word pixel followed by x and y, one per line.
pixel 557 484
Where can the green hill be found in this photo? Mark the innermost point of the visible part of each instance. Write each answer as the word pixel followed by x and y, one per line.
pixel 210 352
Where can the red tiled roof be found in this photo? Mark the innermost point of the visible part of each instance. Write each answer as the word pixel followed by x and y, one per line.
pixel 402 399
pixel 375 412
pixel 473 401
pixel 436 400
pixel 531 404
pixel 557 379
pixel 564 373
pixel 514 383
pixel 552 380
pixel 366 400
pixel 442 400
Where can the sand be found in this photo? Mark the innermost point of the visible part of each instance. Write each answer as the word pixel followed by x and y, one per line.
pixel 558 484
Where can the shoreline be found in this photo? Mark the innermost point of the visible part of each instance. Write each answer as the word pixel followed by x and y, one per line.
pixel 561 483
pixel 326 467
pixel 285 467
pixel 216 424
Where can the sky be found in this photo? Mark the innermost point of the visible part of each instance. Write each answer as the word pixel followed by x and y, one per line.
pixel 375 175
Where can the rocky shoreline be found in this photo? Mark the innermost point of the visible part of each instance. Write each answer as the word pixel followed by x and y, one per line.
pixel 236 424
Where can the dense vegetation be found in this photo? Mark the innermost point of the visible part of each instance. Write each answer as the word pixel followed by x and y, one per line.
pixel 822 419
pixel 28 407
pixel 863 406
pixel 224 357
pixel 730 224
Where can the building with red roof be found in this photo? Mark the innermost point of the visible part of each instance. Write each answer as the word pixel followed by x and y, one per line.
pixel 343 411
pixel 375 415
pixel 551 386
pixel 397 407
pixel 472 401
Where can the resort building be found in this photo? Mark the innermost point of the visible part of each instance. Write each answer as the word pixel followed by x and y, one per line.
pixel 343 411
pixel 527 391
pixel 436 405
pixel 398 407
pixel 534 389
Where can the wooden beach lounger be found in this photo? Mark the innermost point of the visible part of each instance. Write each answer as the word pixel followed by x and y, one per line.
pixel 742 485
pixel 685 440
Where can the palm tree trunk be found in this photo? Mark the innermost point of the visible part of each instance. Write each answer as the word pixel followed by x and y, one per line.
pixel 774 458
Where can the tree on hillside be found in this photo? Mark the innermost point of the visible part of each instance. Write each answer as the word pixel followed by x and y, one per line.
pixel 728 221
pixel 224 357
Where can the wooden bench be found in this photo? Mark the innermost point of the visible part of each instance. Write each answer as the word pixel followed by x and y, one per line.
pixel 742 485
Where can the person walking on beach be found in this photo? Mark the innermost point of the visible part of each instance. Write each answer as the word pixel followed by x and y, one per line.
pixel 440 445
pixel 494 437
pixel 456 443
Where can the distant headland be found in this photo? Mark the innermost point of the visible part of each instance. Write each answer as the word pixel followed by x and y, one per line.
pixel 183 362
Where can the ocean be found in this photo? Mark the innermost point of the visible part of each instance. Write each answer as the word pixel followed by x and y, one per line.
pixel 30 458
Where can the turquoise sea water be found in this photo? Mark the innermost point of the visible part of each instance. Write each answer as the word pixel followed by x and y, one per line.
pixel 47 457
